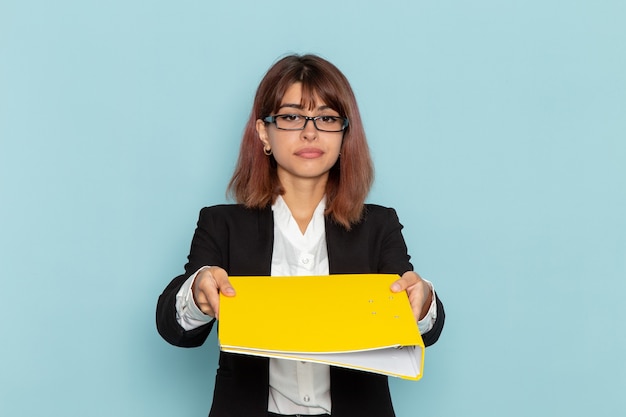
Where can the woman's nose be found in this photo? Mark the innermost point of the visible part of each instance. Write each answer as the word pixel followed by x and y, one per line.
pixel 309 132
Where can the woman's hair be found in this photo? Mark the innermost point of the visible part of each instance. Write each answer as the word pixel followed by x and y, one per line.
pixel 255 182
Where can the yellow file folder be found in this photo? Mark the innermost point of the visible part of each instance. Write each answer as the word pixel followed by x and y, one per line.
pixel 353 321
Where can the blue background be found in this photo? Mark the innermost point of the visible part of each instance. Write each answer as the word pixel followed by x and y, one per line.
pixel 498 133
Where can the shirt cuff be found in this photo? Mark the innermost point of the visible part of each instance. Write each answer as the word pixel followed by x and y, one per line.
pixel 428 321
pixel 188 315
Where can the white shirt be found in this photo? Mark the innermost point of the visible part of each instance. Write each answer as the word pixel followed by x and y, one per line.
pixel 295 387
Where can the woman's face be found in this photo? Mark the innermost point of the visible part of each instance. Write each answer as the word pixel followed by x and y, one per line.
pixel 301 154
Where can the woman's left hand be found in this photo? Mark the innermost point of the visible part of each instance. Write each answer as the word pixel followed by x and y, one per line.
pixel 419 292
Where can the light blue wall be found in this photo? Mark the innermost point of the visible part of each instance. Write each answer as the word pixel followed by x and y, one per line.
pixel 498 132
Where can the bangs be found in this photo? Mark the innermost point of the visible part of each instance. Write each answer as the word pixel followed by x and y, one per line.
pixel 310 96
pixel 319 89
pixel 315 87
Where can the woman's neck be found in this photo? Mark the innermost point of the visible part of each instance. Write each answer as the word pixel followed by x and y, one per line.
pixel 302 200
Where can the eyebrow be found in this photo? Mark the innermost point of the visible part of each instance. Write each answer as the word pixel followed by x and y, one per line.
pixel 299 106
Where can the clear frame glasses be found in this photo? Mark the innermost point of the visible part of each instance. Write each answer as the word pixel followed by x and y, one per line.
pixel 298 122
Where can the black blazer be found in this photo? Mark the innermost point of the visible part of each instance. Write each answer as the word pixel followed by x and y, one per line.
pixel 240 240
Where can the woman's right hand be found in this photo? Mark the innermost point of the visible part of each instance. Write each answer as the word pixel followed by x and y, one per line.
pixel 208 285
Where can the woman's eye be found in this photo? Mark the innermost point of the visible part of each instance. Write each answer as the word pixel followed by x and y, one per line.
pixel 291 117
pixel 328 119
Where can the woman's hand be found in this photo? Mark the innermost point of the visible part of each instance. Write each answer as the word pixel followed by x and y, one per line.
pixel 419 292
pixel 208 285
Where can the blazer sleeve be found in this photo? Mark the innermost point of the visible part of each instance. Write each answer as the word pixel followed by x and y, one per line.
pixel 206 249
pixel 431 336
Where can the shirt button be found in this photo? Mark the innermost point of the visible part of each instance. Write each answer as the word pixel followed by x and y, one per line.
pixel 306 398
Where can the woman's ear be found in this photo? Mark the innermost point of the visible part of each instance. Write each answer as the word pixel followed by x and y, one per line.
pixel 261 130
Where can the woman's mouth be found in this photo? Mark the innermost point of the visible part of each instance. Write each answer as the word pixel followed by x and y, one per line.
pixel 309 153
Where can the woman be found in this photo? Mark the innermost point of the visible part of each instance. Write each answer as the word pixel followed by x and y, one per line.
pixel 303 174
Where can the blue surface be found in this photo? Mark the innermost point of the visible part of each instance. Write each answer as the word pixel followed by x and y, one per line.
pixel 498 133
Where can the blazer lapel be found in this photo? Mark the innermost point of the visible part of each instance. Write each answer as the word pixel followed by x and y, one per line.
pixel 347 251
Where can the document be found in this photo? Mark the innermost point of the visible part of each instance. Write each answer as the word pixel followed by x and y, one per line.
pixel 351 320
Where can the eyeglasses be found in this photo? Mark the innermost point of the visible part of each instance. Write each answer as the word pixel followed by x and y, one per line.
pixel 298 122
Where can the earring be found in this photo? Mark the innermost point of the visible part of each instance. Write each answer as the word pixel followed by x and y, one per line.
pixel 267 151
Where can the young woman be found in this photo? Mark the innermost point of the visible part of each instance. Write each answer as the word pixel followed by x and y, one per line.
pixel 303 174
